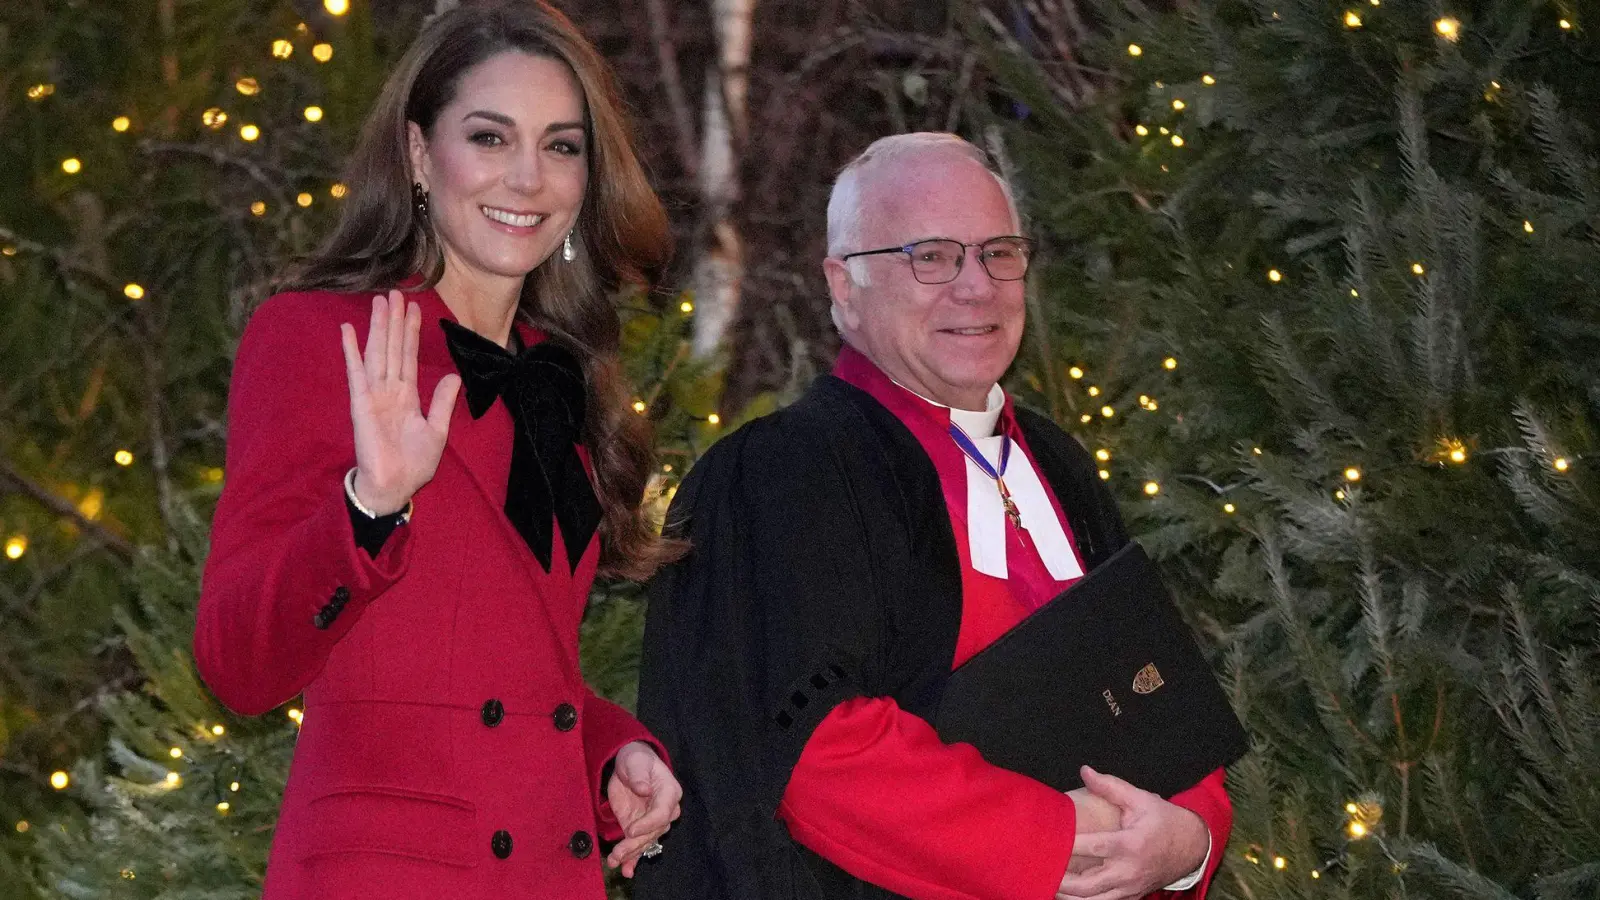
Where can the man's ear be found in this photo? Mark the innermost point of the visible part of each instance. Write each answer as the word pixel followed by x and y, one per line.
pixel 417 151
pixel 844 292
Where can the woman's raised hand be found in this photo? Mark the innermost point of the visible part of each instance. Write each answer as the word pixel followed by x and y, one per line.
pixel 397 445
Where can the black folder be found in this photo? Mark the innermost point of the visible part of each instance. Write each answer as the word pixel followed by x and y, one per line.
pixel 1106 674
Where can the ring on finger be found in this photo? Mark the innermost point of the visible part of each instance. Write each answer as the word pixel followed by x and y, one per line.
pixel 652 850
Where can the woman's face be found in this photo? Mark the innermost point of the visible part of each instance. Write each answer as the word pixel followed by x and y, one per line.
pixel 504 166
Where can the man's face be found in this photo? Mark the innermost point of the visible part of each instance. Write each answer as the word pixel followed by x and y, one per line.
pixel 948 342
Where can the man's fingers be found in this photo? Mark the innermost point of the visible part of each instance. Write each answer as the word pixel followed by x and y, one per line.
pixel 377 340
pixel 1099 844
pixel 1112 788
pixel 1096 881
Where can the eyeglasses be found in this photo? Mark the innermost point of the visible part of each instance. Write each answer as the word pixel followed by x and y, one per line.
pixel 939 260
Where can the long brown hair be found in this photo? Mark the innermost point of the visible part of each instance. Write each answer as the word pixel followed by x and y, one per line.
pixel 622 239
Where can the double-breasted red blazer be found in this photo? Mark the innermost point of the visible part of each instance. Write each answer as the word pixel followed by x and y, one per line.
pixel 449 747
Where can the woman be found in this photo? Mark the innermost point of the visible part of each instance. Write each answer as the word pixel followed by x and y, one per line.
pixel 420 574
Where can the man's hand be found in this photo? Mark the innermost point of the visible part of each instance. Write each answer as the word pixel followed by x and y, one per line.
pixel 1093 814
pixel 644 795
pixel 1157 844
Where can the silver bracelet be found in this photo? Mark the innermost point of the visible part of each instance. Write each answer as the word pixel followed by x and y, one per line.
pixel 350 494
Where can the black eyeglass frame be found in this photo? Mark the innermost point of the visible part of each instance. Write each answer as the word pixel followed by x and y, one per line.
pixel 1029 245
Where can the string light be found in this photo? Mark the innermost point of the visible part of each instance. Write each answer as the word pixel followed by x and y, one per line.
pixel 1352 474
pixel 1355 293
pixel 686 307
pixel 337 191
pixel 1566 24
pixel 1075 372
pixel 258 208
pixel 336 7
pixel 1144 399
pixel 1417 268
pixel 639 406
pixel 1279 862
pixel 16 546
pixel 223 807
pixel 1177 140
pixel 667 467
pixel 1256 450
pixel 23 826
pixel 91 505
pixel 1527 226
pixel 1316 873
pixel 1085 419
pixel 41 91
pixel 1151 488
pixel 133 291
pixel 1152 406
pixel 1274 276
pixel 313 114
pixel 282 49
pixel 1165 130
pixel 1207 80
pixel 1107 411
pixel 1178 104
pixel 128 874
pixel 174 780
pixel 1103 455
pixel 297 716
pixel 213 474
pixel 249 132
pixel 714 419
pixel 247 86
pixel 121 123
pixel 322 52
pixel 1105 474
pixel 218 730
pixel 1229 508
pixel 214 118
pixel 1094 390
pixel 1135 50
pixel 124 458
pixel 59 780
pixel 1561 465
pixel 303 198
pixel 1352 19
pixel 175 752
pixel 1169 363
pixel 234 787
pixel 1339 495
pixel 1141 131
pixel 1448 28
pixel 8 250
pixel 1358 830
pixel 72 165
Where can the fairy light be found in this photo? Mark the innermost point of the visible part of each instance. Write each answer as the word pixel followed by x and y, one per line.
pixel 337 191
pixel 1352 19
pixel 124 458
pixel 1165 130
pixel 1094 390
pixel 1177 140
pixel 1179 105
pixel 1274 276
pixel 667 467
pixel 1352 474
pixel 1170 363
pixel 133 291
pixel 214 118
pixel 72 165
pixel 1107 411
pixel 1152 488
pixel 1358 830
pixel 714 419
pixel 1229 508
pixel 1527 226
pixel 1103 455
pixel 249 132
pixel 639 406
pixel 175 752
pixel 1105 474
pixel 336 7
pixel 1135 50
pixel 297 716
pixel 16 546
pixel 247 86
pixel 1279 862
pixel 1141 131
pixel 1144 399
pixel 258 208
pixel 23 826
pixel 1085 419
pixel 1566 24
pixel 218 730
pixel 282 49
pixel 313 114
pixel 1418 268
pixel 234 787
pixel 223 807
pixel 1561 465
pixel 1458 455
pixel 686 307
pixel 1152 406
pixel 173 780
pixel 1355 293
pixel 1256 450
pixel 1448 28
pixel 1076 372
pixel 41 91
pixel 304 199
pixel 128 874
pixel 1339 495
pixel 121 124
pixel 1316 873
pixel 60 780
pixel 322 52
pixel 1207 80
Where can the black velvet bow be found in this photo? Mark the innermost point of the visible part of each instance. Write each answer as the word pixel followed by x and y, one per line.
pixel 543 389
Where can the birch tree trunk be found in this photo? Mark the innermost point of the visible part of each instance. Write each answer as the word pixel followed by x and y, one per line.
pixel 724 134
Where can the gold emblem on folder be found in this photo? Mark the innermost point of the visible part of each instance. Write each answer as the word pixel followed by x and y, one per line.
pixel 1148 680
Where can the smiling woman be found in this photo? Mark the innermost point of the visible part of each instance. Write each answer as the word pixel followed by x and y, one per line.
pixel 420 573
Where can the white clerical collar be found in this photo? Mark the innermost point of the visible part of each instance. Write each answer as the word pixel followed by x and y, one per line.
pixel 977 423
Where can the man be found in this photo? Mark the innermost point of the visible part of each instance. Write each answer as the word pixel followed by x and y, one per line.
pixel 849 551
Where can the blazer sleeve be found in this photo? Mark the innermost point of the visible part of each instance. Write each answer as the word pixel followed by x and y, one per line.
pixel 285 578
pixel 607 728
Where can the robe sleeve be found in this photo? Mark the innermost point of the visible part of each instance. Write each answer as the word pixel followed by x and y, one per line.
pixel 879 795
pixel 285 578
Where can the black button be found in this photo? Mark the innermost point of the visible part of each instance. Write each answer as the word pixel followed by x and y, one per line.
pixel 580 845
pixel 493 712
pixel 566 717
pixel 341 596
pixel 501 844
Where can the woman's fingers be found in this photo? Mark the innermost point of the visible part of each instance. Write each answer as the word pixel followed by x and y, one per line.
pixel 394 346
pixel 408 356
pixel 354 372
pixel 444 400
pixel 377 339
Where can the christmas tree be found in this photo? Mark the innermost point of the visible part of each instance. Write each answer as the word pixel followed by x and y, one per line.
pixel 1320 294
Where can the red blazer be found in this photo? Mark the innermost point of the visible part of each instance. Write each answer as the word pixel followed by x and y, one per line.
pixel 449 746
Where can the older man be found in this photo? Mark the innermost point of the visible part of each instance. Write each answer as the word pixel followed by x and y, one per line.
pixel 850 551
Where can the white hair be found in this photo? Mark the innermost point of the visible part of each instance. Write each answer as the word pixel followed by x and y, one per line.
pixel 882 157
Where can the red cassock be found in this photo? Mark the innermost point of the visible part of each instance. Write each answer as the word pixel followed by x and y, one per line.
pixel 877 792
pixel 449 747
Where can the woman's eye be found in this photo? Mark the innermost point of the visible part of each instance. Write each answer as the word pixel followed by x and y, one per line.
pixel 567 148
pixel 486 139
